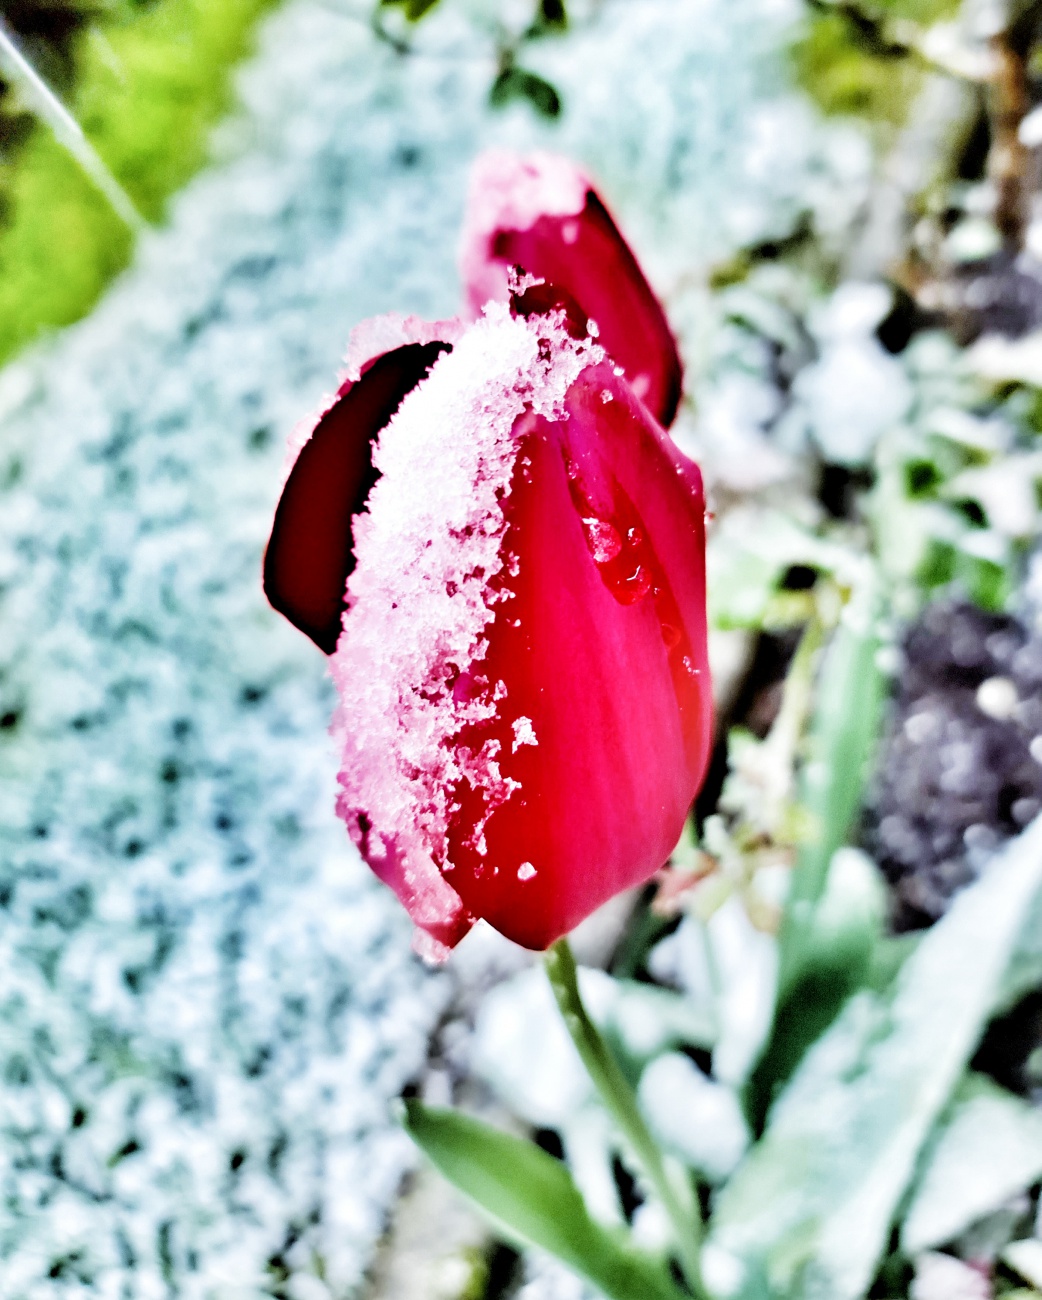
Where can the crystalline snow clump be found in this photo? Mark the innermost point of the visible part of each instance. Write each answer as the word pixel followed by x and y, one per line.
pixel 428 547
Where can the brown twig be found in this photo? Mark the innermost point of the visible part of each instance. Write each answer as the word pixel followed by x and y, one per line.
pixel 1009 160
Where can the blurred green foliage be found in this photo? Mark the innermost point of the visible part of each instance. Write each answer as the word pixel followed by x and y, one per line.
pixel 512 81
pixel 517 83
pixel 414 10
pixel 849 63
pixel 148 82
pixel 146 79
pixel 845 76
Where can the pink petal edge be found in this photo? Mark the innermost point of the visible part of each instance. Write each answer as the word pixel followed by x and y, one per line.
pixel 512 192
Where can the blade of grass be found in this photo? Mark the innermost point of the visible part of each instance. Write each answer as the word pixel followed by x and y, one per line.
pixel 67 131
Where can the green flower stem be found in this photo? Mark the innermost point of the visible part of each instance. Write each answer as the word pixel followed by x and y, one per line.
pixel 621 1103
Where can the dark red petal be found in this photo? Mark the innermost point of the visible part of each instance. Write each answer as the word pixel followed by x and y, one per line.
pixel 523 212
pixel 541 298
pixel 587 255
pixel 602 649
pixel 311 551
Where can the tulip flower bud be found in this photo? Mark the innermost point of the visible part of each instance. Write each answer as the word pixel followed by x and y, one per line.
pixel 524 700
pixel 542 214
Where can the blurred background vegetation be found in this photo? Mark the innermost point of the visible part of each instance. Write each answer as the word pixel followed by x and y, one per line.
pixel 146 79
pixel 903 506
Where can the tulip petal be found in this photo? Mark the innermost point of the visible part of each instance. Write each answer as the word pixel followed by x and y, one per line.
pixel 605 725
pixel 541 213
pixel 311 551
pixel 429 546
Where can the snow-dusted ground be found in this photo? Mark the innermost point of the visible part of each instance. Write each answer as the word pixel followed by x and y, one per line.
pixel 205 1003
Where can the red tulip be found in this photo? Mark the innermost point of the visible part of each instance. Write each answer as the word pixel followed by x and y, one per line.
pixel 541 214
pixel 525 705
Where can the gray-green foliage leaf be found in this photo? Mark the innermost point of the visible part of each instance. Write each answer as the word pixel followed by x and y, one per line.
pixel 989 1149
pixel 842 737
pixel 523 1050
pixel 1025 969
pixel 531 1199
pixel 843 951
pixel 808 1213
pixel 645 1020
pixel 818 967
pixel 751 551
pixel 694 1118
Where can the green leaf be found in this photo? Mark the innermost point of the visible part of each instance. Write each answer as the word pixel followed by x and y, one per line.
pixel 844 77
pixel 842 738
pixel 1024 973
pixel 414 10
pixel 989 1150
pixel 518 83
pixel 551 17
pixel 987 583
pixel 808 1213
pixel 820 968
pixel 532 1201
pixel 843 951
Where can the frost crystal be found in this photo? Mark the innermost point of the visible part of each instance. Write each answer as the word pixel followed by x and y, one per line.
pixel 524 733
pixel 408 667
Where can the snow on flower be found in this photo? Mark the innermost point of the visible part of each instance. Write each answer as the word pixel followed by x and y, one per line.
pixel 542 214
pixel 524 710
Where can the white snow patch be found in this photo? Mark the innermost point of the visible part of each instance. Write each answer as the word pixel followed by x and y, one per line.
pixel 427 547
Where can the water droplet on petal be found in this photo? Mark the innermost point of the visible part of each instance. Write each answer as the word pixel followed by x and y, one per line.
pixel 606 396
pixel 526 871
pixel 603 539
pixel 570 232
pixel 632 586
